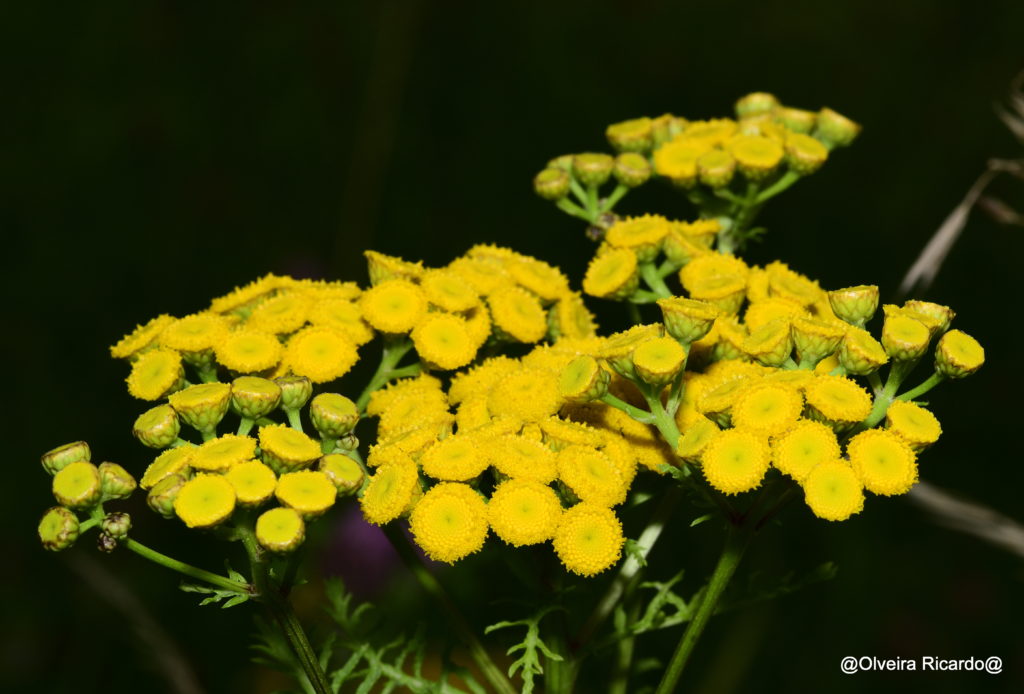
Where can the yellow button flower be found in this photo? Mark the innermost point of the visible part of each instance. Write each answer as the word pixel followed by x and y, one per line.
pixel 522 512
pixel 205 501
pixel 310 492
pixel 253 481
pixel 449 522
pixel 589 539
pixel 280 529
pixel 833 492
pixel 155 374
pixel 883 461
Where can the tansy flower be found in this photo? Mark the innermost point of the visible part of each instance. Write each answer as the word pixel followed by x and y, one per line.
pixel 449 522
pixel 412 411
pixel 883 461
pixel 284 313
pixel 205 501
pixel 248 351
pixel 736 461
pixel 344 316
pixel 717 403
pixel 569 318
pixel 446 290
pixel 589 539
pixel 202 406
pixel 78 485
pixel 390 491
pixel 521 458
pixel 518 314
pixel 715 131
pixel 320 354
pixel 141 338
pixel 480 379
pixel 155 374
pixel 310 492
pixel 472 413
pixel 696 439
pixel 833 492
pixel 913 423
pixel 457 458
pixel 771 343
pixel 528 394
pixel 709 266
pixel 383 398
pixel 614 274
pixel 784 283
pixel 760 313
pixel 194 333
pixel 838 399
pixel 284 448
pixel 443 339
pixel 559 433
pixel 484 276
pixel 478 325
pixel 242 297
pixel 658 360
pixel 642 234
pixel 958 355
pixel 387 267
pixel 756 155
pixel 323 291
pixel 393 306
pixel 522 512
pixel 767 408
pixel 677 160
pixel 170 462
pixel 540 278
pixel 220 454
pixel 253 481
pixel 280 529
pixel 591 476
pixel 803 447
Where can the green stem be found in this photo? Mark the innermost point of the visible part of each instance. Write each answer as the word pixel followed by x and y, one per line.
pixel 665 422
pixel 935 379
pixel 642 296
pixel 294 420
pixel 897 373
pixel 634 313
pixel 245 425
pixel 429 583
pixel 654 280
pixel 592 207
pixel 183 568
pixel 634 412
pixel 735 544
pixel 569 207
pixel 625 648
pixel 392 354
pixel 784 182
pixel 613 199
pixel 577 190
pixel 667 267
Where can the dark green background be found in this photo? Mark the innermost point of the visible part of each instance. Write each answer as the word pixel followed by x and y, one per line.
pixel 158 154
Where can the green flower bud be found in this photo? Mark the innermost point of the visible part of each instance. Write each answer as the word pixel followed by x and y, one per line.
pixel 855 305
pixel 860 354
pixel 105 542
pixel 681 248
pixel 295 391
pixel 77 486
pixel 939 315
pixel 583 380
pixel 755 104
pixel 56 460
pixel 115 481
pixel 117 525
pixel 716 168
pixel 804 154
pixel 551 183
pixel 593 169
pixel 797 119
pixel 834 129
pixel 687 320
pixel 904 338
pixel 666 127
pixel 815 339
pixel 344 472
pixel 161 497
pixel 58 529
pixel 204 359
pixel 158 427
pixel 333 415
pixel 958 355
pixel 635 135
pixel 254 397
pixel 202 406
pixel 617 349
pixel 563 162
pixel 631 169
pixel 658 360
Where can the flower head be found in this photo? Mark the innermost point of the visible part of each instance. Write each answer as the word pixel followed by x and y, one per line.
pixel 320 354
pixel 253 481
pixel 310 492
pixel 205 501
pixel 589 539
pixel 833 492
pixel 883 461
pixel 736 461
pixel 522 512
pixel 280 529
pixel 449 522
pixel 802 448
pixel 155 374
pixel 390 492
pixel 393 306
pixel 443 339
pixel 248 351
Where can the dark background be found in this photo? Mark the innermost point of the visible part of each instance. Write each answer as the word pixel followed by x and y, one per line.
pixel 158 154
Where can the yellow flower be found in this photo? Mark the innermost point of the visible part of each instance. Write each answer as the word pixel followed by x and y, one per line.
pixel 220 454
pixel 522 512
pixel 715 131
pixel 757 156
pixel 485 276
pixel 838 399
pixel 481 378
pixel 558 433
pixel 518 314
pixel 589 539
pixel 457 458
pixel 614 274
pixel 248 351
pixel 383 399
pixel 767 408
pixel 202 406
pixel 78 485
pixel 658 360
pixel 736 461
pixel 393 306
pixel 253 481
pixel 528 394
pixel 591 476
pixel 833 492
pixel 194 333
pixel 320 354
pixel 170 462
pixel 280 529
pixel 412 411
pixel 310 492
pixel 521 458
pixel 344 316
pixel 155 374
pixel 141 338
pixel 696 438
pixel 345 473
pixel 205 501
pixel 803 447
pixel 958 355
pixel 443 339
pixel 285 448
pixel 243 297
pixel 711 266
pixel 390 491
pixel 641 234
pixel 677 160
pixel 725 292
pixel 284 313
pixel 542 279
pixel 570 318
pixel 448 291
pixel 913 423
pixel 771 343
pixel 449 522
pixel 883 461
pixel 763 312
pixel 904 338
pixel 387 267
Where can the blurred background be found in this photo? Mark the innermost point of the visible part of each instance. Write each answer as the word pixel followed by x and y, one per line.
pixel 158 154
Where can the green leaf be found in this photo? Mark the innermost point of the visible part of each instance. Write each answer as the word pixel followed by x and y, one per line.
pixel 532 647
pixel 700 519
pixel 633 549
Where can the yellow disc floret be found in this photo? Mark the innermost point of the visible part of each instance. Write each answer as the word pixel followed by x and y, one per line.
pixel 143 337
pixel 736 461
pixel 446 290
pixel 768 408
pixel 310 492
pixel 913 423
pixel 838 399
pixel 285 448
pixel 522 512
pixel 518 314
pixel 883 461
pixel 205 501
pixel 220 454
pixel 194 333
pixel 253 481
pixel 833 492
pixel 443 339
pixel 155 374
pixel 170 462
pixel 591 475
pixel 284 313
pixel 613 274
pixel 393 306
pixel 320 354
pixel 528 394
pixel 248 351
pixel 803 447
pixel 457 458
pixel 389 492
pixel 521 458
pixel 450 522
pixel 280 529
pixel 589 539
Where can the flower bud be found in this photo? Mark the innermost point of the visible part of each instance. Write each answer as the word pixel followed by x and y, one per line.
pixel 295 391
pixel 797 119
pixel 161 497
pixel 681 248
pixel 715 169
pixel 687 320
pixel 834 129
pixel 617 349
pixel 756 156
pixel 631 169
pixel 724 291
pixel 158 427
pixel 205 501
pixel 815 339
pixel 382 268
pixel 58 529
pixel 56 460
pixel 106 543
pixel 115 481
pixel 855 305
pixel 804 154
pixel 658 360
pixel 614 274
pixel 333 415
pixel 860 354
pixel 202 406
pixel 903 337
pixel 755 104
pixel 344 472
pixel 77 485
pixel 937 314
pixel 665 127
pixel 636 135
pixel 280 529
pixel 583 380
pixel 254 397
pixel 285 449
pixel 117 525
pixel 958 355
pixel 593 169
pixel 551 183
pixel 563 162
pixel 770 344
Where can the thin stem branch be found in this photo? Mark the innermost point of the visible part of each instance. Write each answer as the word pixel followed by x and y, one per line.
pixel 392 354
pixel 654 280
pixel 613 199
pixel 935 379
pixel 634 412
pixel 183 568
